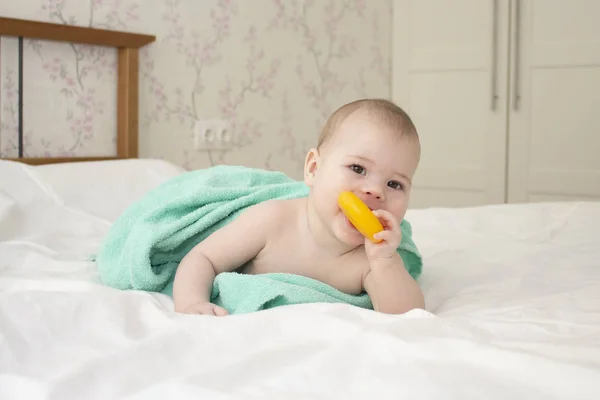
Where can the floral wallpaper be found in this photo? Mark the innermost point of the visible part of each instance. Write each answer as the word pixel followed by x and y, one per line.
pixel 274 69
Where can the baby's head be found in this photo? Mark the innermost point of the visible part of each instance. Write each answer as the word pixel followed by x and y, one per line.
pixel 369 147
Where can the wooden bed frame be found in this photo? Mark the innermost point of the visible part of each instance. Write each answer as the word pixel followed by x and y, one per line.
pixel 128 45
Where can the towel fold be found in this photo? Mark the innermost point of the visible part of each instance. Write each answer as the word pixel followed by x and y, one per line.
pixel 146 243
pixel 243 293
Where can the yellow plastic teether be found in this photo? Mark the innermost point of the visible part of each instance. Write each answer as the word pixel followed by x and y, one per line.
pixel 359 215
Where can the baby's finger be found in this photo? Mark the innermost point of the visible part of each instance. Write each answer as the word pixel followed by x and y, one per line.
pixel 220 311
pixel 388 220
pixel 387 236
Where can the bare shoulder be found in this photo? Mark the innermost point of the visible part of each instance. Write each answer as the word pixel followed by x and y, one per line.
pixel 244 237
pixel 270 214
pixel 267 208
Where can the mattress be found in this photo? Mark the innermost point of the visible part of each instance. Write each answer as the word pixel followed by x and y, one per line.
pixel 512 293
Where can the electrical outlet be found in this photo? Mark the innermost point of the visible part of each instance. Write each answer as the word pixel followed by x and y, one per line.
pixel 212 134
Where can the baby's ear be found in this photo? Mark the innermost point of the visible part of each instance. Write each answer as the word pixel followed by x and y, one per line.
pixel 310 166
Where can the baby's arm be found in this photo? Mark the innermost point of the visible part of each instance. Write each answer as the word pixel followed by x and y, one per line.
pixel 224 250
pixel 389 285
pixel 391 288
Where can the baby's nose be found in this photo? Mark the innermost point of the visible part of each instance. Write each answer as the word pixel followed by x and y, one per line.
pixel 374 194
pixel 373 198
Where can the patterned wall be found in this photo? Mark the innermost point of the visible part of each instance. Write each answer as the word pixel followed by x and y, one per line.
pixel 274 68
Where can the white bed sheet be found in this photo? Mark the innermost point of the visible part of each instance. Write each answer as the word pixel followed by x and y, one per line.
pixel 513 296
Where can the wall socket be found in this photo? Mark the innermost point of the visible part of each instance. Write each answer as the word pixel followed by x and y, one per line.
pixel 212 134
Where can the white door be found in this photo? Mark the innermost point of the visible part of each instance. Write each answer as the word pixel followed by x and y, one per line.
pixel 449 60
pixel 554 129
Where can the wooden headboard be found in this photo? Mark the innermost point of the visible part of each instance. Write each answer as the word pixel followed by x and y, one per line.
pixel 128 45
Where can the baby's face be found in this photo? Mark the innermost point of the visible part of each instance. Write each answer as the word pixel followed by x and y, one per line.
pixel 368 158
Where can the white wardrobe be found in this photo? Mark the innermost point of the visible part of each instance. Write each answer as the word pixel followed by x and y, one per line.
pixel 505 95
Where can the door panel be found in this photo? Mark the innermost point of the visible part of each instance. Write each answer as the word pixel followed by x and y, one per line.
pixel 554 133
pixel 448 63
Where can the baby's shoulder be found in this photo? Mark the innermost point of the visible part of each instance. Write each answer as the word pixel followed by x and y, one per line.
pixel 271 213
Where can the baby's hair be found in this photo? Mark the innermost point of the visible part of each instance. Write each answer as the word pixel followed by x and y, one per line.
pixel 385 110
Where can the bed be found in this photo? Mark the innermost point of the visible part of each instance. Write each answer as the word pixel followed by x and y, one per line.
pixel 512 293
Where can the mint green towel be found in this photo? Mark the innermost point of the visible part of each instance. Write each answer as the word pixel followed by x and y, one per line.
pixel 146 243
pixel 243 293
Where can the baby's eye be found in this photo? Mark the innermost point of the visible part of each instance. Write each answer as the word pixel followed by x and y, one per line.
pixel 357 168
pixel 395 185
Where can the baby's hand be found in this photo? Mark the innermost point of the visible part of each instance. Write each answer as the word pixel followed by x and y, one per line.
pixel 390 238
pixel 205 308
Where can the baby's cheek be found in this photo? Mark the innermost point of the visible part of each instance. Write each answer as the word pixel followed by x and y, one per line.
pixel 398 212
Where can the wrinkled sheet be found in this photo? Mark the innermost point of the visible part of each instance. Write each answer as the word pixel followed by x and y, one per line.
pixel 512 291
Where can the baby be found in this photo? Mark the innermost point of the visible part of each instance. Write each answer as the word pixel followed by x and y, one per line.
pixel 369 147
